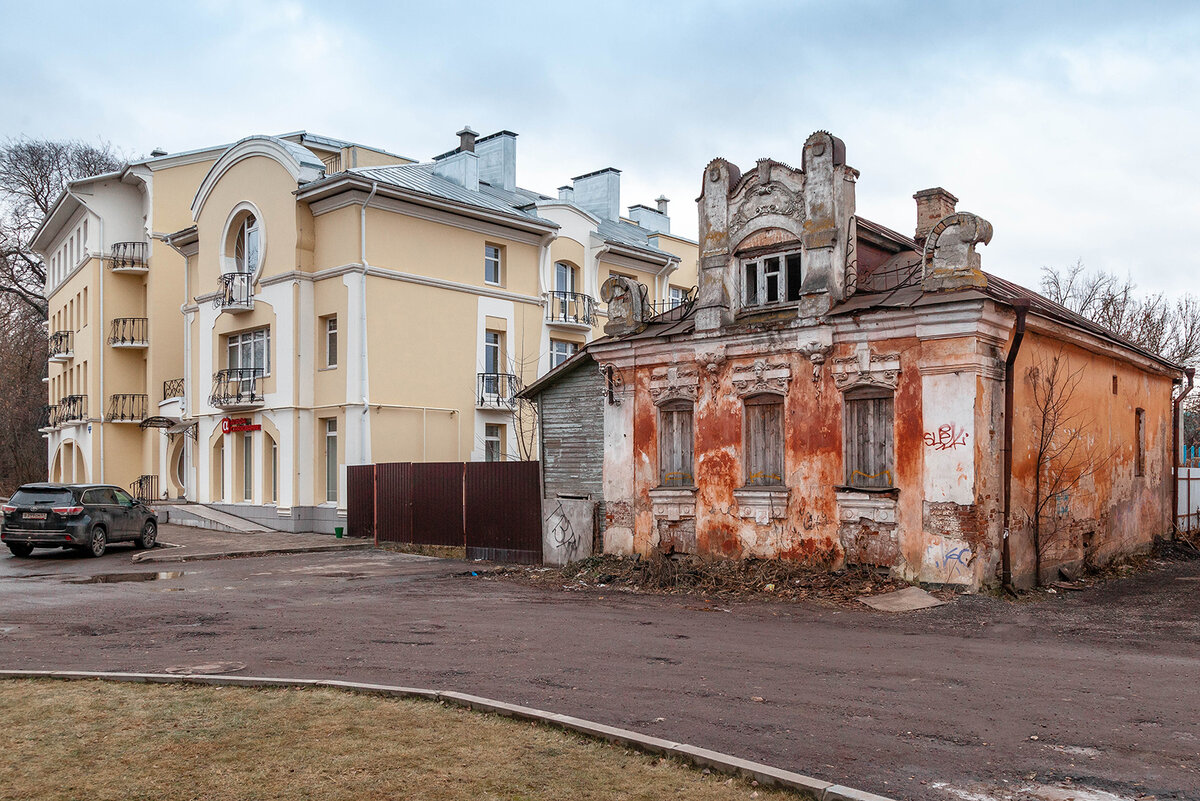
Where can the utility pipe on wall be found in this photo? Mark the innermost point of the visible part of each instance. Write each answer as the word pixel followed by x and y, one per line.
pixel 1021 306
pixel 1190 372
pixel 363 445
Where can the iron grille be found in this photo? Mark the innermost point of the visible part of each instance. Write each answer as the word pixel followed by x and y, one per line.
pixel 128 256
pixel 496 389
pixel 235 291
pixel 47 417
pixel 128 331
pixel 127 408
pixel 570 307
pixel 61 343
pixel 72 408
pixel 679 306
pixel 173 388
pixel 237 386
pixel 145 488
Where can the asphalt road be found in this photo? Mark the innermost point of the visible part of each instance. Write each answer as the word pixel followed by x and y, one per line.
pixel 1099 688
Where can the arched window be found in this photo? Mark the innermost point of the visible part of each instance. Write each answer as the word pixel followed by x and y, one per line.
pixel 764 440
pixel 246 245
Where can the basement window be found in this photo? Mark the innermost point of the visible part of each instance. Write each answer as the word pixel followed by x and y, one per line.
pixel 771 279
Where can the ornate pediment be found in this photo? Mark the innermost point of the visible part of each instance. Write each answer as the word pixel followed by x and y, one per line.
pixel 674 383
pixel 865 368
pixel 762 377
pixel 771 197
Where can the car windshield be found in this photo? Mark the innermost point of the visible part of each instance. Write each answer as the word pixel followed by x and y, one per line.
pixel 42 497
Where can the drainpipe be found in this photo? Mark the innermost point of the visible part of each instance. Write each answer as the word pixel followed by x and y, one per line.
pixel 1021 306
pixel 362 376
pixel 1190 372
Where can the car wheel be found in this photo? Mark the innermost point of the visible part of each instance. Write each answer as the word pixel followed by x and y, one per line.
pixel 149 535
pixel 99 542
pixel 20 549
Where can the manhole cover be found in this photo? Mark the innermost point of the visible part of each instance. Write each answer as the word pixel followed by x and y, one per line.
pixel 207 669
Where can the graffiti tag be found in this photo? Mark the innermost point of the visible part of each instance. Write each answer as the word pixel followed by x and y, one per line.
pixel 954 561
pixel 562 533
pixel 946 438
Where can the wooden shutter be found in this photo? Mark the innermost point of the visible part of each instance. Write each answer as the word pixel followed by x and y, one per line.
pixel 675 445
pixel 764 440
pixel 868 449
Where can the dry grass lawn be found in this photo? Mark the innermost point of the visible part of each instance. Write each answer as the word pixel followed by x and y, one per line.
pixel 104 740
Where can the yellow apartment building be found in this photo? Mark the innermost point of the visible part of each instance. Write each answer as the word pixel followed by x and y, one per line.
pixel 232 326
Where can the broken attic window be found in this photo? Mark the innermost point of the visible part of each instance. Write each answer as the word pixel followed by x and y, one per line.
pixel 770 280
pixel 793 276
pixel 751 294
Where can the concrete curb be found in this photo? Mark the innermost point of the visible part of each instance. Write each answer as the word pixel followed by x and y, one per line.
pixel 149 557
pixel 808 787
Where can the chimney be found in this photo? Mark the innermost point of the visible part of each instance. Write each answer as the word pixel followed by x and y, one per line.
pixel 599 193
pixel 498 159
pixel 650 219
pixel 932 206
pixel 466 139
pixel 662 201
pixel 566 194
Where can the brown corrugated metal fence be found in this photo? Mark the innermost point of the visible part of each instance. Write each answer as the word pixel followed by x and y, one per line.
pixel 491 508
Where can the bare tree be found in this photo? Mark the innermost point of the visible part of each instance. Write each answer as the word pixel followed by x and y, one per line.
pixel 33 173
pixel 22 395
pixel 1169 327
pixel 1063 456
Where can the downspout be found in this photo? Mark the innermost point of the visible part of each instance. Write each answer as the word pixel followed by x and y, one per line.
pixel 100 433
pixel 1021 306
pixel 1190 372
pixel 362 350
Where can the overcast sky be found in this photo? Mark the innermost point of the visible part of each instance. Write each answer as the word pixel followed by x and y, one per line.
pixel 1071 127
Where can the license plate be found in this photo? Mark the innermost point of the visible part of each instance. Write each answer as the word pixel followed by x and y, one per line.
pixel 34 516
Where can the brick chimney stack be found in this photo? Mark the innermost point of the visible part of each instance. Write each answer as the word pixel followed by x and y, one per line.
pixel 932 206
pixel 466 139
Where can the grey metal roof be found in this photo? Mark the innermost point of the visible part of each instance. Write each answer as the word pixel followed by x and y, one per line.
pixel 421 178
pixel 619 232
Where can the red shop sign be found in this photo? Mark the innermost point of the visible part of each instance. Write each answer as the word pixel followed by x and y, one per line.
pixel 231 424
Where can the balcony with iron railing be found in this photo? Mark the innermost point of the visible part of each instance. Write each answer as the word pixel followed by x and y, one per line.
pixel 72 409
pixel 48 421
pixel 237 388
pixel 128 257
pixel 127 407
pixel 235 292
pixel 129 332
pixel 675 307
pixel 496 390
pixel 570 309
pixel 62 345
pixel 172 388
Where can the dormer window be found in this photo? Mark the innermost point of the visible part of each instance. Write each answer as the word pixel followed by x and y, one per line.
pixel 246 245
pixel 771 279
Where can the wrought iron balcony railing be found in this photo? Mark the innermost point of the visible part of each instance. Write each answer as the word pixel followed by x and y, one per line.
pixel 72 408
pixel 48 419
pixel 496 390
pixel 61 346
pixel 235 292
pixel 127 408
pixel 683 305
pixel 129 332
pixel 237 388
pixel 145 489
pixel 173 388
pixel 573 308
pixel 128 257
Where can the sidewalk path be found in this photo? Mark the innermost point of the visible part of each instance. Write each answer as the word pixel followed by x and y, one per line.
pixel 188 544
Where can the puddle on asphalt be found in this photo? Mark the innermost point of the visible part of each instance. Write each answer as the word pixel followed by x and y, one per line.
pixel 117 578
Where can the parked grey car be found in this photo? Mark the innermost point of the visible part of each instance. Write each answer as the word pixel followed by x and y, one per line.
pixel 86 517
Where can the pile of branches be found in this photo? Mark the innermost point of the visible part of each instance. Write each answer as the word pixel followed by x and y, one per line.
pixel 715 577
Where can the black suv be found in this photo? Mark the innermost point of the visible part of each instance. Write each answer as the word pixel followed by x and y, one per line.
pixel 82 516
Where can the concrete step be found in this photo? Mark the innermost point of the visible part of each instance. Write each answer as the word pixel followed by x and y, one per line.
pixel 200 516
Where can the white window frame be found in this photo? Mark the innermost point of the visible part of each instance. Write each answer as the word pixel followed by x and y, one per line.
pixel 493 258
pixel 331 462
pixel 493 436
pixel 248 231
pixel 762 272
pixel 558 355
pixel 331 341
pixel 675 296
pixel 244 341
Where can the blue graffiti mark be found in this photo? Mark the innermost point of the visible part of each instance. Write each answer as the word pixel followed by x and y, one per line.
pixel 956 561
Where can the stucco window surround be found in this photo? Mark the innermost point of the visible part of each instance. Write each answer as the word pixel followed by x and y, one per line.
pixel 674 391
pixel 867 374
pixel 762 386
pixel 235 248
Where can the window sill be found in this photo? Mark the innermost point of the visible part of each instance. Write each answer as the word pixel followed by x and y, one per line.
pixel 856 505
pixel 493 283
pixel 892 492
pixel 327 368
pixel 762 503
pixel 673 503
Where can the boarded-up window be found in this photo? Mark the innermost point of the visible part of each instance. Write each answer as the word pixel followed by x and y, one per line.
pixel 868 416
pixel 764 440
pixel 1141 443
pixel 675 444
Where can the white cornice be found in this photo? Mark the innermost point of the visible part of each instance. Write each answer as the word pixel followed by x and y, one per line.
pixel 394 275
